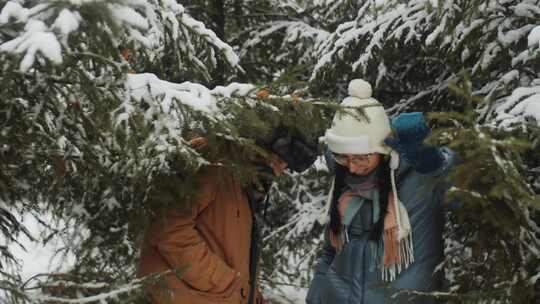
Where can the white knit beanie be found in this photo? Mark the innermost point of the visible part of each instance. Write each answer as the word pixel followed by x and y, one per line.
pixel 353 134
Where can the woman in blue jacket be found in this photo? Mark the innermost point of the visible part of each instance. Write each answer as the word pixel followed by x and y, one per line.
pixel 384 239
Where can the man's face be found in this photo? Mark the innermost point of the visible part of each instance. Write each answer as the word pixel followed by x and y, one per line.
pixel 277 164
pixel 359 164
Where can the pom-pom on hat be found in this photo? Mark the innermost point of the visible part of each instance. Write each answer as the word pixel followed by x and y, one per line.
pixel 360 88
pixel 353 134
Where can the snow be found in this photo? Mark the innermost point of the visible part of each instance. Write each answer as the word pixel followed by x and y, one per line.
pixel 513 74
pixel 523 102
pixel 287 294
pixel 80 2
pixel 173 6
pixel 294 30
pixel 101 298
pixel 491 52
pixel 465 54
pixel 463 31
pixel 513 36
pixel 534 37
pixel 147 41
pixel 35 257
pixel 530 106
pixel 433 36
pixel 199 28
pixel 149 86
pixel 128 15
pixel 233 89
pixel 67 22
pixel 143 21
pixel 36 39
pixel 527 10
pixel 13 10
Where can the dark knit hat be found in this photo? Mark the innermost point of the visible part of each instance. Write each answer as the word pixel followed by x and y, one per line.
pixel 298 153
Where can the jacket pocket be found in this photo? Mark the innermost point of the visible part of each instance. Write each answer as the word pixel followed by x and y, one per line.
pixel 337 289
pixel 226 296
pixel 314 293
pixel 173 290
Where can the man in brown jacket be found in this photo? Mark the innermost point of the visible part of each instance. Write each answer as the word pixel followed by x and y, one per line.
pixel 215 244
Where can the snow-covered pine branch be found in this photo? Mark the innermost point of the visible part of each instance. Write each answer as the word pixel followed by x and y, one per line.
pixel 51 287
pixel 298 40
pixel 297 215
pixel 429 43
pixel 52 30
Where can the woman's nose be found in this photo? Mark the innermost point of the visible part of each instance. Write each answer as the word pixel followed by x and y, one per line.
pixel 352 167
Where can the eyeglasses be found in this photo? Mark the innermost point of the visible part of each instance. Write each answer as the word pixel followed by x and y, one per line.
pixel 355 159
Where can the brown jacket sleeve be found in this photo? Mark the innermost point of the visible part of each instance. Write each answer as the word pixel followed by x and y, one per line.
pixel 181 245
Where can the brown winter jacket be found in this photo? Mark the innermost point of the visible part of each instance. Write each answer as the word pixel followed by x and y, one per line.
pixel 211 243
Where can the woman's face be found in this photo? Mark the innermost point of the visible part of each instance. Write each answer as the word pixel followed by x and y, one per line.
pixel 359 164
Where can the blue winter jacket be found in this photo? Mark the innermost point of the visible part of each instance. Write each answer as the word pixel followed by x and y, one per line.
pixel 351 275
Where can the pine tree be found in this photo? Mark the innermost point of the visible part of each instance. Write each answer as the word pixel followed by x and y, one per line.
pixel 100 99
pixel 492 239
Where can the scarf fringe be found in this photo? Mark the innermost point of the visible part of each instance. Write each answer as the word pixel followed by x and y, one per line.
pixel 405 259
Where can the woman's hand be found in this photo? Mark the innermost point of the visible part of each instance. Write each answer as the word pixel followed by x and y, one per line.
pixel 411 129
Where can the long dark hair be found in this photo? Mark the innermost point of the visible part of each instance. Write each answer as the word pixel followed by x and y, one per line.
pixel 385 186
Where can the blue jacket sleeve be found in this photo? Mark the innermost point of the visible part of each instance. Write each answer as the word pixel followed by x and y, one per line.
pixel 449 159
pixel 323 263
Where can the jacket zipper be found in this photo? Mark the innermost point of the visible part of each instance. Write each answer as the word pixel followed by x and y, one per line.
pixel 363 275
pixel 254 248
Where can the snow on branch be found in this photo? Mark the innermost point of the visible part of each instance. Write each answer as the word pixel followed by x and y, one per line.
pixel 534 37
pixel 294 30
pixel 295 39
pixel 165 106
pixel 43 287
pixel 498 43
pixel 48 25
pixel 37 39
pixel 522 103
pixel 208 35
pixel 373 33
